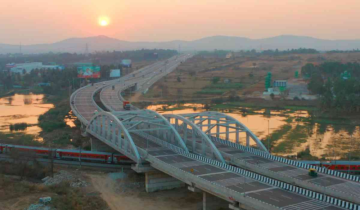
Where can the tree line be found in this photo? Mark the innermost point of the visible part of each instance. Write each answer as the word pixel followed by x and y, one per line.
pixel 253 52
pixel 337 84
pixel 63 79
pixel 107 57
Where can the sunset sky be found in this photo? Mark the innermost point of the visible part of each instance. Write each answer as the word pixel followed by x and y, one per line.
pixel 47 21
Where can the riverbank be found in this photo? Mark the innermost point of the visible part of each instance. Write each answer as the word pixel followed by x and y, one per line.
pixel 39 120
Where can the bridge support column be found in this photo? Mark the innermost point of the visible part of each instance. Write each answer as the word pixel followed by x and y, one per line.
pixel 157 180
pixel 210 202
pixel 98 146
pixel 204 200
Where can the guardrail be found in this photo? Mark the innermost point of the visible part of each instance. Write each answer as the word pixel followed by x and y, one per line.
pixel 287 161
pixel 73 108
pixel 251 175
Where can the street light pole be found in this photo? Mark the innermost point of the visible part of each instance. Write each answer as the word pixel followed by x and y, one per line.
pixel 351 140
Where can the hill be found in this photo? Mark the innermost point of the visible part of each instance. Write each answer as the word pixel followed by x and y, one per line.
pixel 104 43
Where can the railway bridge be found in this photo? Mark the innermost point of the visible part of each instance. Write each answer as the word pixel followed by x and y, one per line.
pixel 196 150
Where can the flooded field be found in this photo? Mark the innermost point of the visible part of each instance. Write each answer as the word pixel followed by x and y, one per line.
pixel 290 133
pixel 20 113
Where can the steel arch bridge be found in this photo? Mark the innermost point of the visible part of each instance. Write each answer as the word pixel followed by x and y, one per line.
pixel 196 140
pixel 220 125
pixel 109 129
pixel 122 130
pixel 152 125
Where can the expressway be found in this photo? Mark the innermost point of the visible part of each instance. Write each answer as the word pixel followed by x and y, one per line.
pixel 149 138
pixel 144 79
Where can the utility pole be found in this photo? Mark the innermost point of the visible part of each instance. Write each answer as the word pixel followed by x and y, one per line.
pixel 69 88
pixel 51 159
pixel 269 136
pixel 80 152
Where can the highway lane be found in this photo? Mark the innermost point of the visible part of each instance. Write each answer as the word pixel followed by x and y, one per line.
pixel 331 185
pixel 111 97
pixel 81 100
pixel 239 185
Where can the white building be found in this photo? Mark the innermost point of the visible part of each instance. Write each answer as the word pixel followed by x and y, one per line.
pixel 115 73
pixel 28 67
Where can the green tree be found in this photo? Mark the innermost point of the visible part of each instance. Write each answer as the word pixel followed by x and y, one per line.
pixel 215 80
pixel 316 84
pixel 308 70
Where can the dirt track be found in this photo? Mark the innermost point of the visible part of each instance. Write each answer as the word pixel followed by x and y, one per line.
pixel 136 200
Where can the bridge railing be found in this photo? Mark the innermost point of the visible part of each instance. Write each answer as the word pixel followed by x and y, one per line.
pixel 251 175
pixel 201 183
pixel 110 130
pixel 73 107
pixel 287 161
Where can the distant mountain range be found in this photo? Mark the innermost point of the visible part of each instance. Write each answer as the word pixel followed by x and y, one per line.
pixel 104 43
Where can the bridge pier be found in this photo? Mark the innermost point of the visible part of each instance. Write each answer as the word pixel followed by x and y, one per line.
pixel 157 180
pixel 211 202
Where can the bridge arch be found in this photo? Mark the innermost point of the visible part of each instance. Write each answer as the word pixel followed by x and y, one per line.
pixel 216 121
pixel 109 129
pixel 148 122
pixel 195 133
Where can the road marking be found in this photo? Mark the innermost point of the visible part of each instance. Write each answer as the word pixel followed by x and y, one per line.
pixel 273 199
pixel 286 197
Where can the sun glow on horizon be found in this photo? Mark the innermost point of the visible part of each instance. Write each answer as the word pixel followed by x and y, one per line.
pixel 104 21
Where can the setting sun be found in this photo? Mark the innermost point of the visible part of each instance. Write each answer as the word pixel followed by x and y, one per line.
pixel 104 21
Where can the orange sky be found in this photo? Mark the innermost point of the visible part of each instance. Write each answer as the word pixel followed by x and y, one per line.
pixel 47 21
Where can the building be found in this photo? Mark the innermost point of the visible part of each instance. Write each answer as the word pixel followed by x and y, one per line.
pixel 126 63
pixel 26 68
pixel 280 83
pixel 115 73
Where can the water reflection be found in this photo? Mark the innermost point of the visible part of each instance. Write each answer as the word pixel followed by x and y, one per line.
pixel 18 110
pixel 70 119
pixel 288 132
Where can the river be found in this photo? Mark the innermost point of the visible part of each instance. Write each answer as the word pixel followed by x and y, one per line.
pixel 21 108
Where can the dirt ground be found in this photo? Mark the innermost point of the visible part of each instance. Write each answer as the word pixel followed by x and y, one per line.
pixel 138 199
pixel 196 73
pixel 102 189
pixel 21 202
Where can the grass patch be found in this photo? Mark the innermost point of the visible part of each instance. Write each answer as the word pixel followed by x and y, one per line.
pixel 278 134
pixel 227 86
pixel 293 139
pixel 305 108
pixel 19 139
pixel 207 91
pixel 305 155
pixel 54 118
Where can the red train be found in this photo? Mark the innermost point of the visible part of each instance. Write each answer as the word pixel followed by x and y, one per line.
pixel 63 154
pixel 339 165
